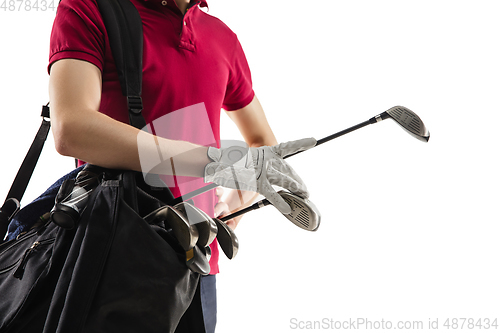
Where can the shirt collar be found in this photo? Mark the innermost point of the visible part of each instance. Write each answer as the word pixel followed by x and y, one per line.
pixel 201 3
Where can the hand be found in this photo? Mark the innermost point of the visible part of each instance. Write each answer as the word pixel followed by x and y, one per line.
pixel 221 209
pixel 257 169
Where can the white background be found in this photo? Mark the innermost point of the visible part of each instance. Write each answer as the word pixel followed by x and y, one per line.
pixel 410 230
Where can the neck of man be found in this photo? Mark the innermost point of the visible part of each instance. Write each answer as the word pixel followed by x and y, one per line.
pixel 183 5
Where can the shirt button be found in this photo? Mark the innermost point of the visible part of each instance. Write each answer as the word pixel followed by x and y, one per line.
pixel 185 23
pixel 164 2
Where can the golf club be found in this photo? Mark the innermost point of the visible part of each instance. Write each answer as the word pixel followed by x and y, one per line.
pixel 207 229
pixel 185 233
pixel 304 213
pixel 197 260
pixel 227 239
pixel 189 224
pixel 403 116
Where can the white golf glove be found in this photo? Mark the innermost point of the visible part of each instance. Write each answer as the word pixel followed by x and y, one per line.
pixel 257 169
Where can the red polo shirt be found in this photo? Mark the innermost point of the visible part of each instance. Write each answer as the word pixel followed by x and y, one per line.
pixel 193 65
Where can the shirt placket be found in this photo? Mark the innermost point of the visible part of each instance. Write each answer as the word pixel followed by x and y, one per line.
pixel 187 37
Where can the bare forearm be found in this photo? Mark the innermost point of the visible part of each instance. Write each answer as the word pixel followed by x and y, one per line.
pixel 257 132
pixel 101 140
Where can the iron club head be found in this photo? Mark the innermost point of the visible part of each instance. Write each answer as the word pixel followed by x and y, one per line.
pixel 197 260
pixel 207 229
pixel 186 234
pixel 305 214
pixel 227 239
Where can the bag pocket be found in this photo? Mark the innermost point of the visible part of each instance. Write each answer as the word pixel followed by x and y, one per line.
pixel 24 263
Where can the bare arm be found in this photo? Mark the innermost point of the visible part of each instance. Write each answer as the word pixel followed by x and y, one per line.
pixel 252 123
pixel 82 132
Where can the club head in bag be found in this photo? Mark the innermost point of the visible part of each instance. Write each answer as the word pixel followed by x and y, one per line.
pixel 408 120
pixel 304 213
pixel 211 231
pixel 186 234
pixel 207 229
pixel 227 239
pixel 197 260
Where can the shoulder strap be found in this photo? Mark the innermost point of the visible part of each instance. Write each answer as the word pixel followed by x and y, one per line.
pixel 124 27
pixel 18 187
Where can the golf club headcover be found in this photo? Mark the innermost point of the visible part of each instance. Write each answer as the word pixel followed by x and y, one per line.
pixel 257 169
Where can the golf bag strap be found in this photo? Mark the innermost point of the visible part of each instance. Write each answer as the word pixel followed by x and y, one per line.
pixel 20 183
pixel 124 27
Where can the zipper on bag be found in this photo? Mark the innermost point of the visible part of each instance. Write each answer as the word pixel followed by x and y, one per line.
pixel 36 230
pixel 9 268
pixel 19 273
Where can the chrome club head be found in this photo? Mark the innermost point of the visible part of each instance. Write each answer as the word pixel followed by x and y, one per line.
pixel 227 239
pixel 408 120
pixel 305 214
pixel 198 260
pixel 207 229
pixel 185 233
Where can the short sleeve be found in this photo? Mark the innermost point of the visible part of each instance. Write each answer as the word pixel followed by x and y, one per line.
pixel 239 92
pixel 78 33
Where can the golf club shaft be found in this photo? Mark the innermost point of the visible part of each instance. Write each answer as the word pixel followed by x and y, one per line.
pixel 209 187
pixel 344 132
pixel 255 206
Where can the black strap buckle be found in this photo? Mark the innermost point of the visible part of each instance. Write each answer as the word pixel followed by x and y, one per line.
pixel 134 104
pixel 45 111
pixel 9 209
